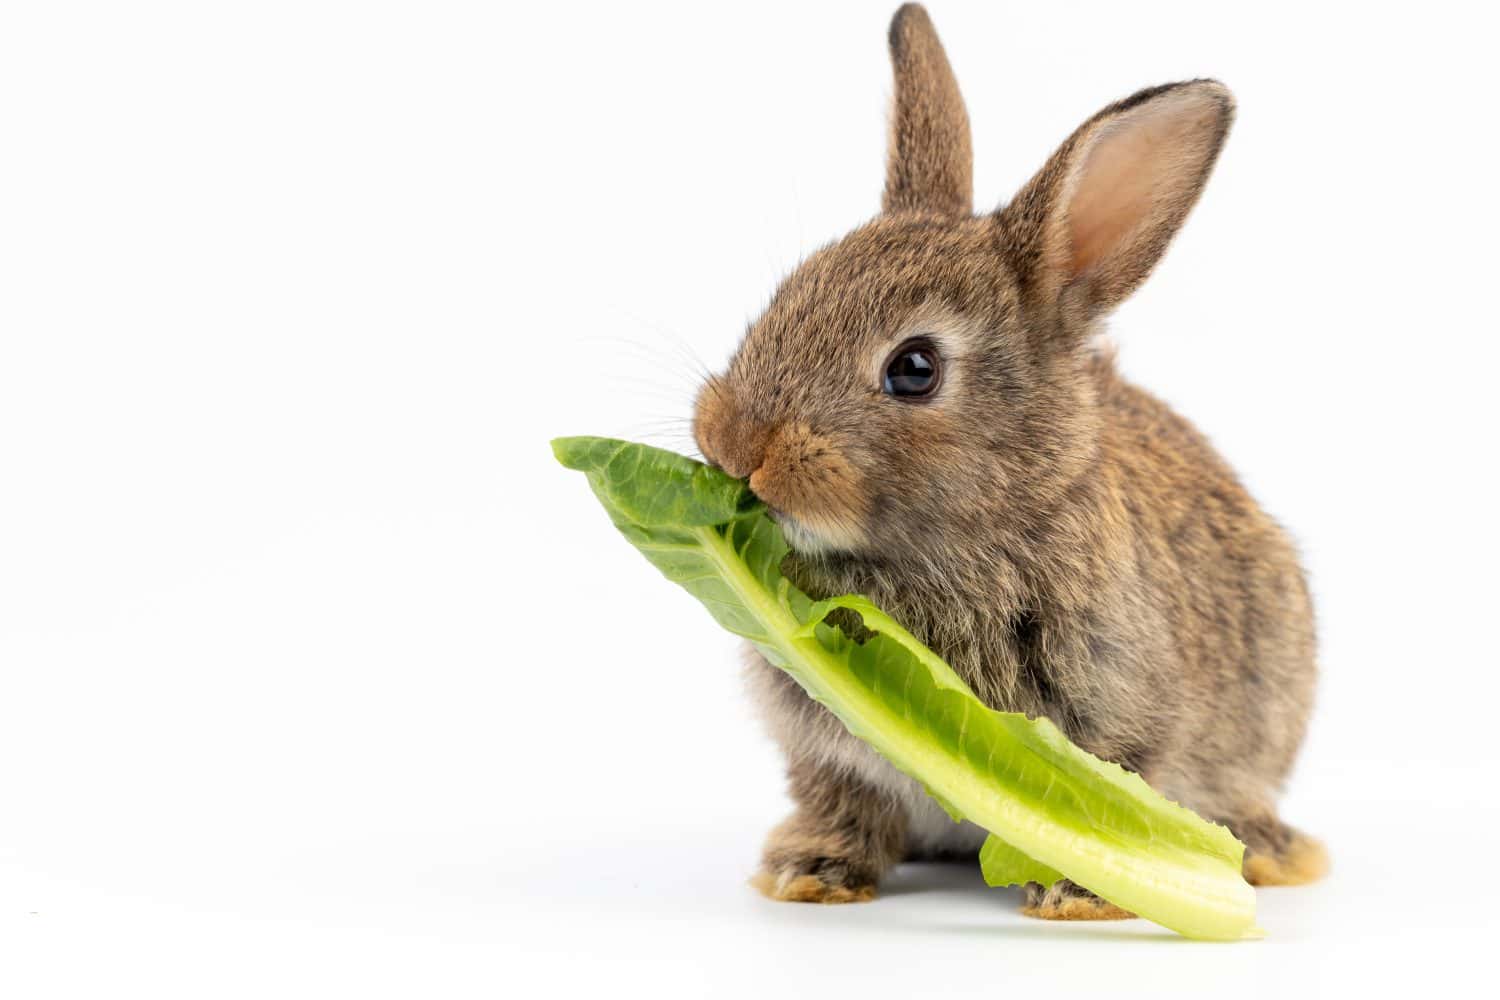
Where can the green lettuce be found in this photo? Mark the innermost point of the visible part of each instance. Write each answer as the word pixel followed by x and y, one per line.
pixel 1052 809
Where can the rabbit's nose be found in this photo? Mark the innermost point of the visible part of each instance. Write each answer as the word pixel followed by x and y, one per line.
pixel 727 436
pixel 737 447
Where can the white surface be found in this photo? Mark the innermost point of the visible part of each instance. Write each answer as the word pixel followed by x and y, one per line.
pixel 320 679
pixel 657 911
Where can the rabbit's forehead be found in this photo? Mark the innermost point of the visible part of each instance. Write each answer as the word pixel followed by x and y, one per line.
pixel 856 299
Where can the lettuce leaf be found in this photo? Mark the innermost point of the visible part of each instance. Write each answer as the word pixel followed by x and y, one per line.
pixel 1052 809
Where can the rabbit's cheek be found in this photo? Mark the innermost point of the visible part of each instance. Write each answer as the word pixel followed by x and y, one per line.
pixel 818 493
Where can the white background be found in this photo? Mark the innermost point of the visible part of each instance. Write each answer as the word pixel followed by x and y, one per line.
pixel 318 678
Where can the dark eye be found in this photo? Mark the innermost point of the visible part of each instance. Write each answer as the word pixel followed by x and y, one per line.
pixel 913 370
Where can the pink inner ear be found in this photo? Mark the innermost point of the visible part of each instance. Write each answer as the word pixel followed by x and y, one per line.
pixel 1146 161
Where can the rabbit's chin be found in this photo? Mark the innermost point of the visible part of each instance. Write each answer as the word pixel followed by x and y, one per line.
pixel 816 539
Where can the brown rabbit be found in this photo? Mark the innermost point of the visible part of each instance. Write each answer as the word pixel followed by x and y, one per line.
pixel 924 410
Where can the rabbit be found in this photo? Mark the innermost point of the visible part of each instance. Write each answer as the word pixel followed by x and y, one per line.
pixel 926 411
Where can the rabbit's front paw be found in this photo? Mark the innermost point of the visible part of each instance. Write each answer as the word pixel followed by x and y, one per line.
pixel 1066 900
pixel 813 878
pixel 835 846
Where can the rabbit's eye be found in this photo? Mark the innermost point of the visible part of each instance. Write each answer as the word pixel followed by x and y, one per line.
pixel 912 370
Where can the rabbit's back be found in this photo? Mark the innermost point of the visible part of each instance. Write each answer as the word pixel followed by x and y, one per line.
pixel 1226 584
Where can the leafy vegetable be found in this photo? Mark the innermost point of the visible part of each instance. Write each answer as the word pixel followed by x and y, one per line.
pixel 1051 808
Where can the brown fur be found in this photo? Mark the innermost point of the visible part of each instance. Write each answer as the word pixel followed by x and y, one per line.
pixel 932 165
pixel 1066 901
pixel 1277 854
pixel 1073 547
pixel 805 471
pixel 837 844
pixel 809 889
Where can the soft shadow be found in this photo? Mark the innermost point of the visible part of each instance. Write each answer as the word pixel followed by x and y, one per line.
pixel 1136 931
pixel 937 876
pixel 962 881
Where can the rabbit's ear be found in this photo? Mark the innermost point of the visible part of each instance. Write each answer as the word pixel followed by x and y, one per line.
pixel 1099 215
pixel 930 164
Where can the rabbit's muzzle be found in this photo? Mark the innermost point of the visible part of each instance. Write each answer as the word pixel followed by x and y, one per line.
pixel 805 476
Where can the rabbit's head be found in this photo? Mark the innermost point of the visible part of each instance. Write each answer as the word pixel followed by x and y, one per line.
pixel 930 375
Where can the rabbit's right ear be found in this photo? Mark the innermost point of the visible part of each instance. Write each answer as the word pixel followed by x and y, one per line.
pixel 1096 219
pixel 930 164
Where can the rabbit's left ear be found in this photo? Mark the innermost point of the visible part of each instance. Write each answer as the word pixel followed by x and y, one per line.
pixel 1095 220
pixel 930 165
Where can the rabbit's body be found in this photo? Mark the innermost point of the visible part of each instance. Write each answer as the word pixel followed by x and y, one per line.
pixel 922 407
pixel 1173 635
